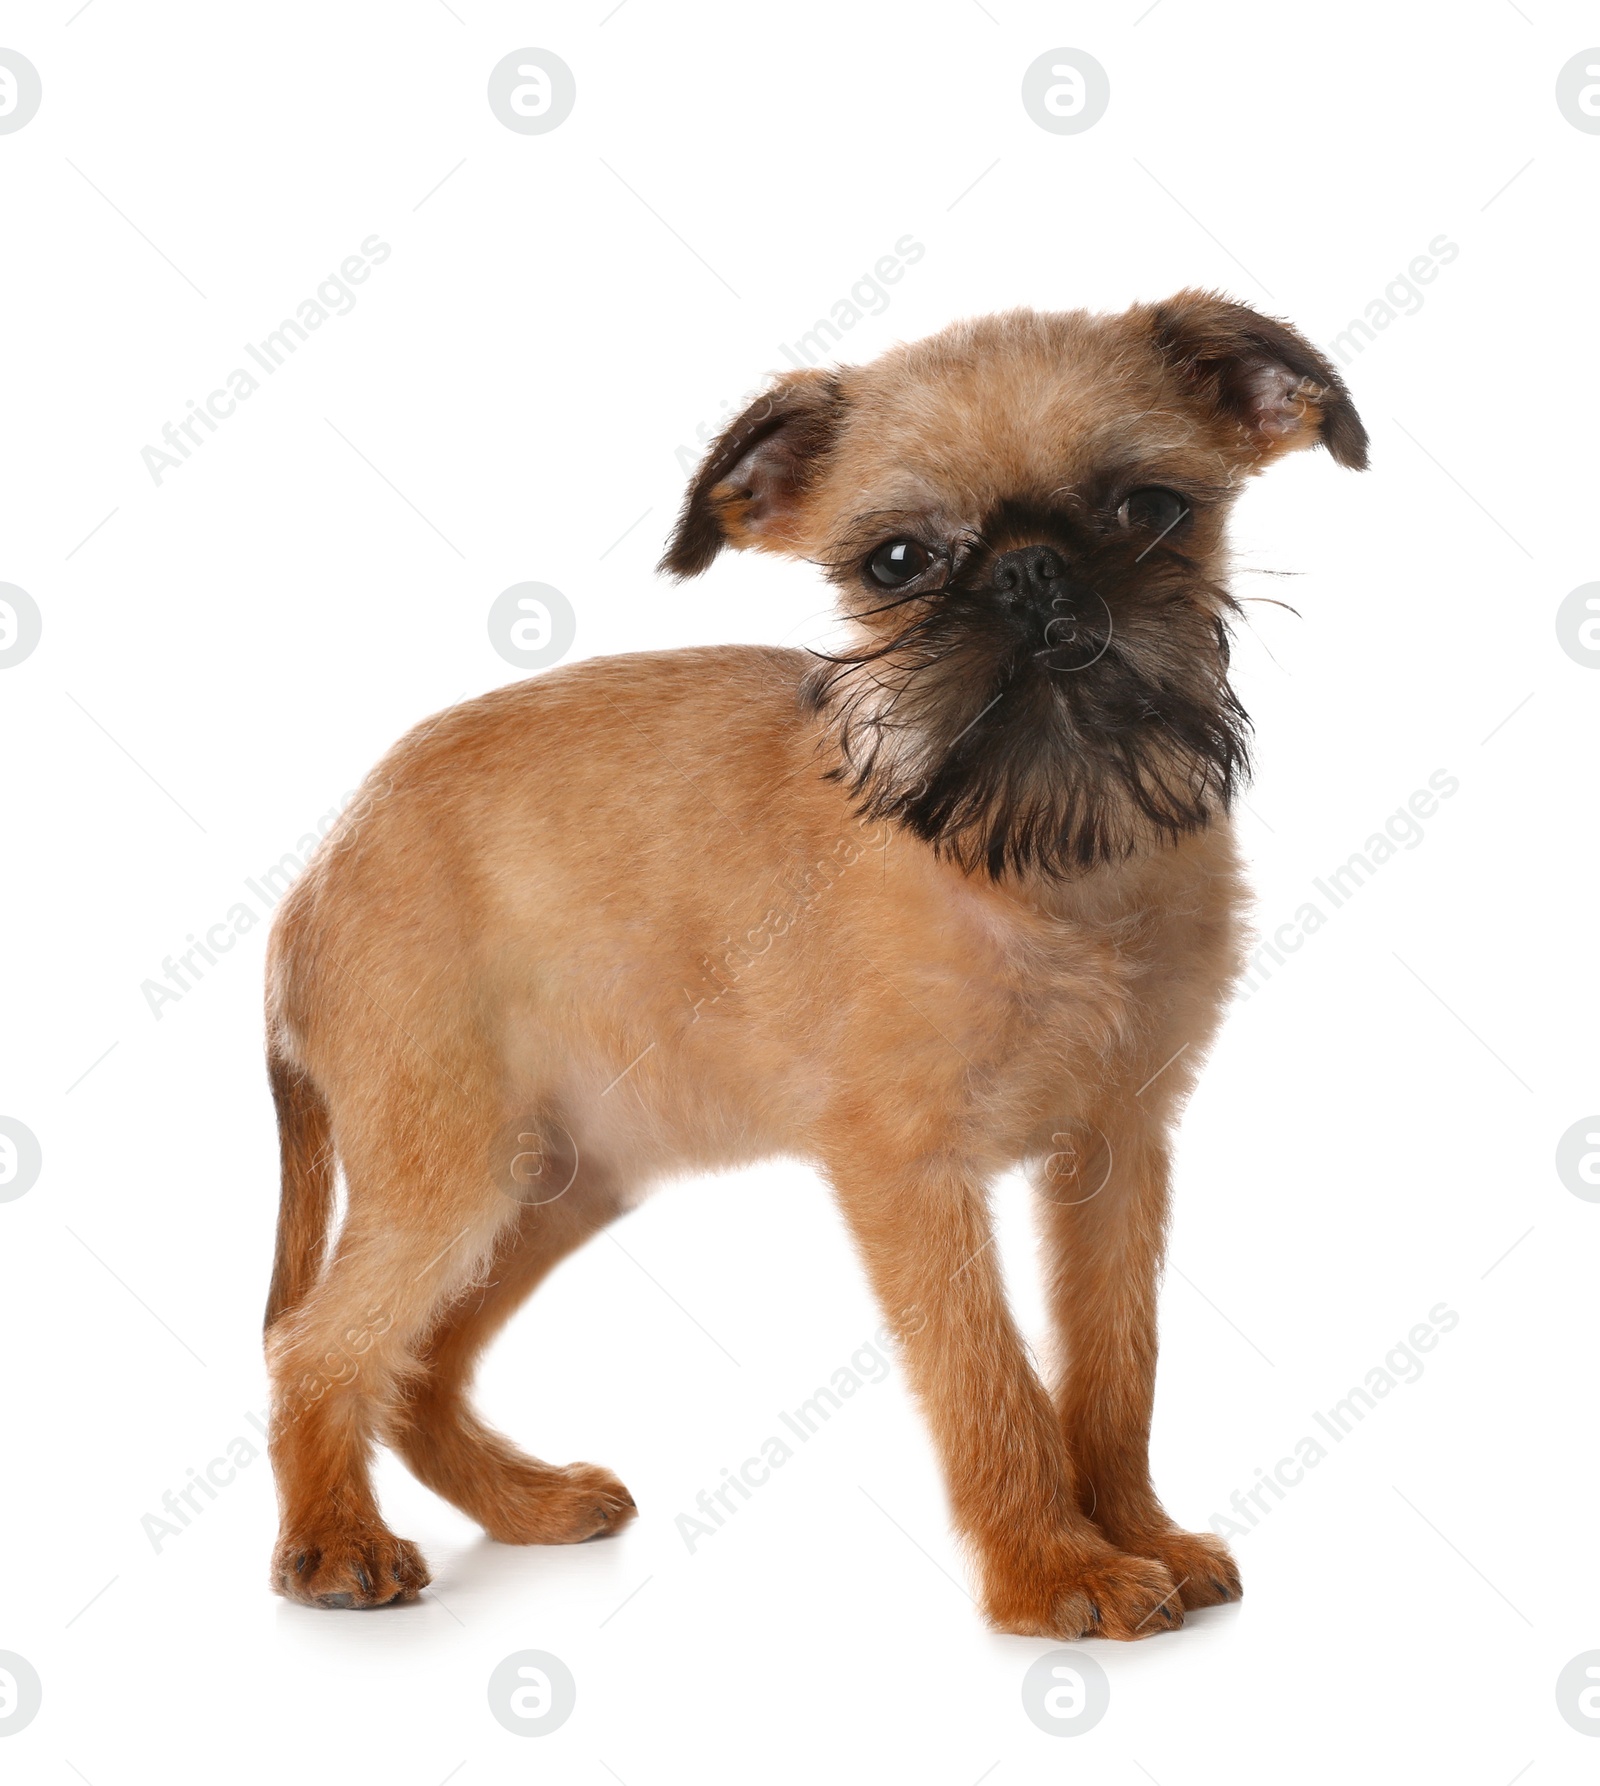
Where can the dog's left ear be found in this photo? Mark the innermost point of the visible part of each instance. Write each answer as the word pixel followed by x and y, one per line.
pixel 1264 374
pixel 751 484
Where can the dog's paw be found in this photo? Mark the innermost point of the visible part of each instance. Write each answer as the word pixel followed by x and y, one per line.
pixel 544 1505
pixel 1101 1593
pixel 348 1569
pixel 1199 1562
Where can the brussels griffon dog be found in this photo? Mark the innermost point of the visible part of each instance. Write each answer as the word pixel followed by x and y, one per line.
pixel 956 897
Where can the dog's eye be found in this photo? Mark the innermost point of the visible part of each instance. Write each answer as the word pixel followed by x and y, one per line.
pixel 1154 509
pixel 897 562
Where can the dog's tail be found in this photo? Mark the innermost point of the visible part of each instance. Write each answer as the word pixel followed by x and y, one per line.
pixel 305 1206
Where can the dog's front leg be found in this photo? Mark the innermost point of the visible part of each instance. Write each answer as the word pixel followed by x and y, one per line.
pixel 1103 1201
pixel 1045 1569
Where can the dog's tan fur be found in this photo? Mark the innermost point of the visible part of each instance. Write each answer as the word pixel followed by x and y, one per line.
pixel 617 923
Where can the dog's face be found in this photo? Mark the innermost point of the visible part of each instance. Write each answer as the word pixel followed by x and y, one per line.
pixel 1024 517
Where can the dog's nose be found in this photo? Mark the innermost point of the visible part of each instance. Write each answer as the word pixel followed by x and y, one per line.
pixel 1034 574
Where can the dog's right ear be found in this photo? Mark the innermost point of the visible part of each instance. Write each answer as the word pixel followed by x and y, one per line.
pixel 751 484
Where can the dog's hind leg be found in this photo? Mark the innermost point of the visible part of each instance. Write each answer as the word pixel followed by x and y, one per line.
pixel 424 1215
pixel 517 1499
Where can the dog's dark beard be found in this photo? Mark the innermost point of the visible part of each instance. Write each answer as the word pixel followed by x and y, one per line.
pixel 1011 751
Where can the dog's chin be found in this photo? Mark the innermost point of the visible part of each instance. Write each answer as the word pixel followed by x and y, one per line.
pixel 1012 756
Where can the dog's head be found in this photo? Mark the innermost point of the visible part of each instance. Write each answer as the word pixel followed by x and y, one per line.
pixel 1024 518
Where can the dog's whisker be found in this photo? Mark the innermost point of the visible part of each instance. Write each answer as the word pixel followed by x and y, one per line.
pixel 1268 601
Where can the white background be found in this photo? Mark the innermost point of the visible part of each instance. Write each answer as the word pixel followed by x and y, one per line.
pixel 223 659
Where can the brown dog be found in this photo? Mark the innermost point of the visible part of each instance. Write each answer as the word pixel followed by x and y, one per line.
pixel 958 898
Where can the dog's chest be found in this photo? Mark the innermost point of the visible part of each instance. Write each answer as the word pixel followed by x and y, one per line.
pixel 1048 975
pixel 1085 982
